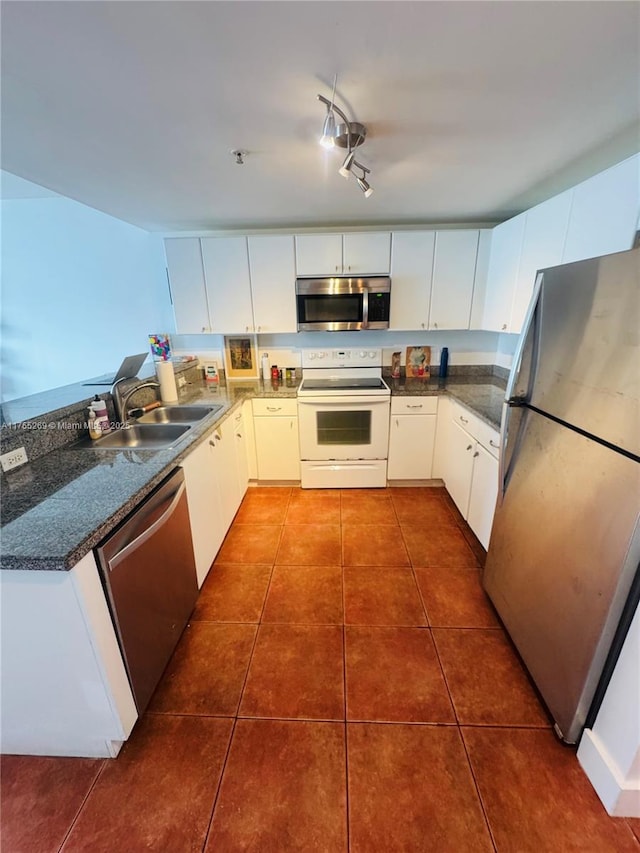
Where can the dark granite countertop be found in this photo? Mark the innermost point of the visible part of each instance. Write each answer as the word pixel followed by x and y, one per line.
pixel 59 507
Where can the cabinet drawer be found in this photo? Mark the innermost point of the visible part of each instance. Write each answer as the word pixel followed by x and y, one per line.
pixel 286 407
pixel 485 434
pixel 414 405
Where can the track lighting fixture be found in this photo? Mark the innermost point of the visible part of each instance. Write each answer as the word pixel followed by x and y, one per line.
pixel 348 134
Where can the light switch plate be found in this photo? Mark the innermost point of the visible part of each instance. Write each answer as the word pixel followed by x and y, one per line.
pixel 13 459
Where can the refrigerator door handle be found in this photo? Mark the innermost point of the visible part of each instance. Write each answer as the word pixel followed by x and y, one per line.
pixel 525 359
pixel 527 343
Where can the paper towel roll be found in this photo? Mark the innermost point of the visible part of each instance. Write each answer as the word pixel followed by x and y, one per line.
pixel 167 380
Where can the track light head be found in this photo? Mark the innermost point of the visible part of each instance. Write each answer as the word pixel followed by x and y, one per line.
pixel 345 169
pixel 365 187
pixel 327 140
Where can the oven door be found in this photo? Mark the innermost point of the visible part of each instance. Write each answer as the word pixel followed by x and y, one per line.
pixel 343 427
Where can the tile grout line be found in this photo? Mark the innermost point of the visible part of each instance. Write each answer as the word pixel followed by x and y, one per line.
pixel 478 792
pixel 236 716
pixel 344 686
pixel 74 820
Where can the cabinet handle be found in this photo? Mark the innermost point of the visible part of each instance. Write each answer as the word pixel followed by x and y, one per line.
pixel 274 408
pixel 337 268
pixel 493 444
pixel 422 324
pixel 476 454
pixel 414 406
pixel 470 447
pixel 259 329
pixel 349 268
pixel 246 328
pixel 464 420
pixel 204 328
pixel 238 435
pixel 435 325
pixel 397 424
pixel 504 326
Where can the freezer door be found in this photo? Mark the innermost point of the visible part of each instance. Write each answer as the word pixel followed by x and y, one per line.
pixel 564 547
pixel 587 370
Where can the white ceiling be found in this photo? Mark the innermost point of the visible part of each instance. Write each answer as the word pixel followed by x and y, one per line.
pixel 474 110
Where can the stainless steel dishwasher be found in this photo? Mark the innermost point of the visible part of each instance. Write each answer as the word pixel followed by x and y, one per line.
pixel 148 571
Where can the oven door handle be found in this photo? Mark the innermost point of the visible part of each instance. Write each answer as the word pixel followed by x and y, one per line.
pixel 338 399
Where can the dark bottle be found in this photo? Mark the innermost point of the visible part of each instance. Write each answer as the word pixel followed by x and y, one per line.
pixel 444 362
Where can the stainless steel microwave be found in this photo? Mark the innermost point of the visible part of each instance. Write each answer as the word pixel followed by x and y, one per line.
pixel 343 303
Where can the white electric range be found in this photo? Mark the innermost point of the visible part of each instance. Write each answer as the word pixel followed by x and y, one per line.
pixel 343 413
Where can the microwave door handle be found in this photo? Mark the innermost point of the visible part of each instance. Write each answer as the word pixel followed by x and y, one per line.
pixel 365 309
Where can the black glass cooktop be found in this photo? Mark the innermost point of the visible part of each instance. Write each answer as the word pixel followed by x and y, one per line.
pixel 344 384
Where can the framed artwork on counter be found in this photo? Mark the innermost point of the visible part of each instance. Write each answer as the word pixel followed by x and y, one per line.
pixel 240 357
pixel 418 362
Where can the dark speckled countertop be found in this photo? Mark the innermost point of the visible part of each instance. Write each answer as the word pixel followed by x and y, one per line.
pixel 59 507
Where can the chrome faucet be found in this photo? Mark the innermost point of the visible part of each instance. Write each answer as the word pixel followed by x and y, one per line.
pixel 120 398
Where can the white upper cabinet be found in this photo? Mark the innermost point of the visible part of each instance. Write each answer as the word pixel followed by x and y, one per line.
pixel 545 232
pixel 186 276
pixel 411 270
pixel 604 214
pixel 226 270
pixel 273 283
pixel 365 253
pixel 504 261
pixel 454 267
pixel 318 254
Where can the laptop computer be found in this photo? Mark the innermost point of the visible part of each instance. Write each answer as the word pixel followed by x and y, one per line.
pixel 127 370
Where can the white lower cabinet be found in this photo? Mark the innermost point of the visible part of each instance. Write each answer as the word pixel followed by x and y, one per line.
pixel 216 478
pixel 275 426
pixel 471 469
pixel 412 433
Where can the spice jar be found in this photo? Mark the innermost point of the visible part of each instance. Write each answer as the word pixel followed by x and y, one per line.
pixel 274 373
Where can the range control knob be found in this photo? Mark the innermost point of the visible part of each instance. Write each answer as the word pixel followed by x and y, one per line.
pixel 372 354
pixel 311 355
pixel 321 354
pixel 362 354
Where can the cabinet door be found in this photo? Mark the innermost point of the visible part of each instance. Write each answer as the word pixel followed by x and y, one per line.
pixel 226 468
pixel 459 466
pixel 480 279
pixel 443 430
pixel 242 456
pixel 502 275
pixel 277 451
pixel 186 276
pixel 203 496
pixel 226 270
pixel 454 266
pixel 604 213
pixel 367 253
pixel 411 270
pixel 545 231
pixel 318 254
pixel 484 493
pixel 273 283
pixel 411 441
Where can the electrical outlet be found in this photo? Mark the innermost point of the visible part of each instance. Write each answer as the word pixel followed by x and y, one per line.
pixel 181 381
pixel 13 459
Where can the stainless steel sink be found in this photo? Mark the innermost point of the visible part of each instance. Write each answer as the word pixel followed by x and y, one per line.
pixel 141 436
pixel 177 414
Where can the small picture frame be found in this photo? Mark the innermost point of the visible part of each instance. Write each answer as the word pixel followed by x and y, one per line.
pixel 418 363
pixel 240 356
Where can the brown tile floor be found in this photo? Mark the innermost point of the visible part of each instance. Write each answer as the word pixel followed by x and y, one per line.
pixel 344 685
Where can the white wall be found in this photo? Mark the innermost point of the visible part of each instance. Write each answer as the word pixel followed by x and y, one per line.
pixel 80 290
pixel 610 752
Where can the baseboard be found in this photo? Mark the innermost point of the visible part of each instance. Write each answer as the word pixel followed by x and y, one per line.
pixel 619 797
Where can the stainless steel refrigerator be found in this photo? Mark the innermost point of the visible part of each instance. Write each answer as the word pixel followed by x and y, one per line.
pixel 562 566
